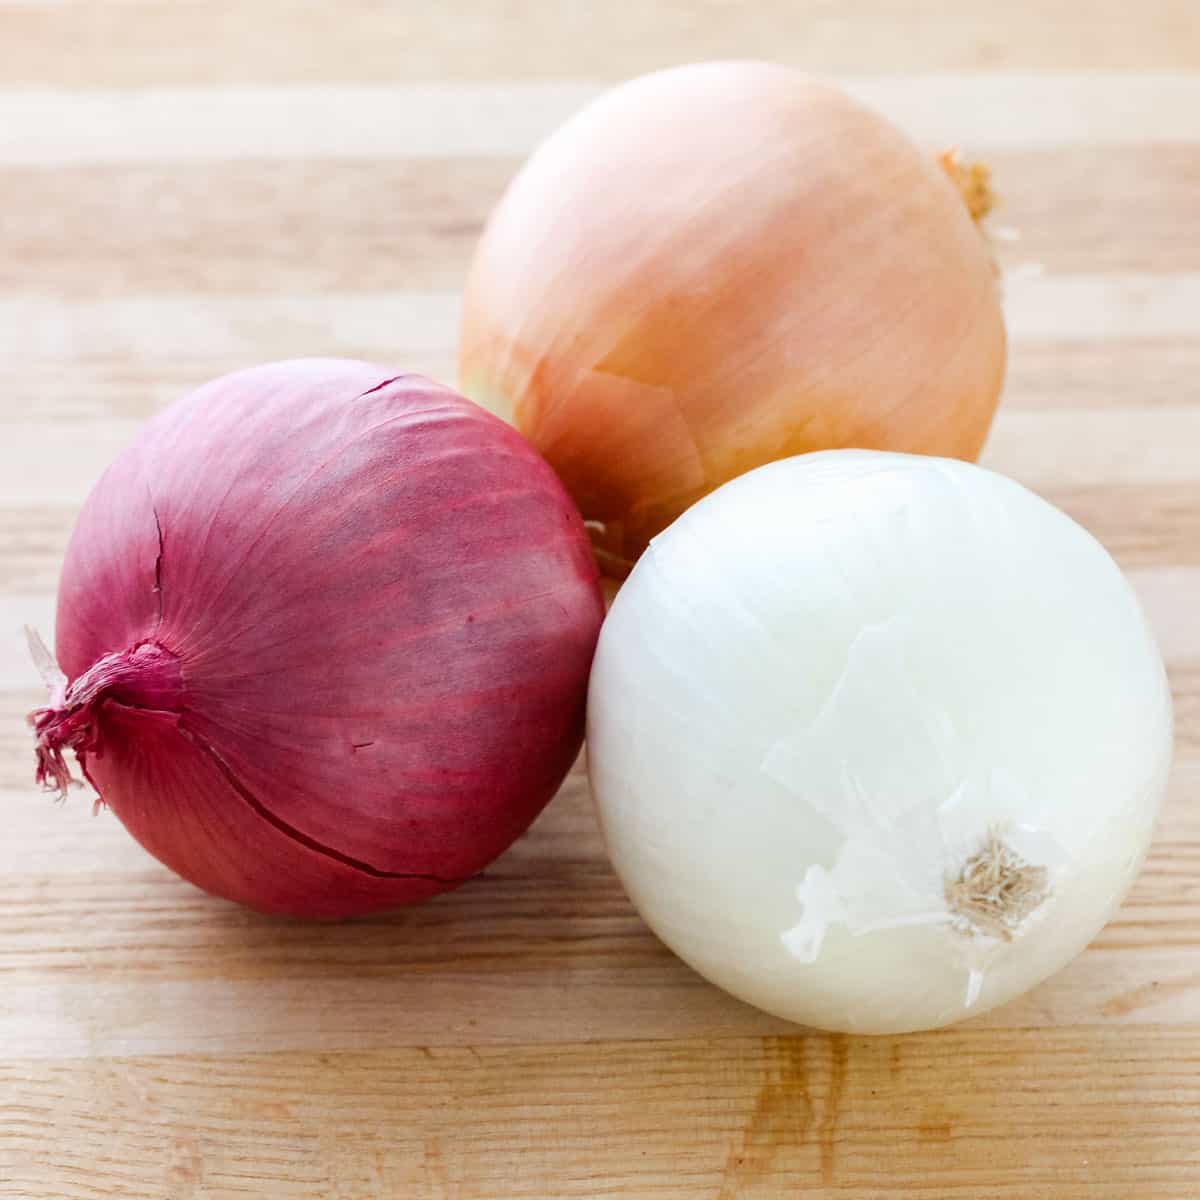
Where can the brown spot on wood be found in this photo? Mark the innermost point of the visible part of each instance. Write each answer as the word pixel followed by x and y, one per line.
pixel 1148 995
pixel 778 1123
pixel 838 1060
pixel 273 1110
pixel 934 1131
pixel 184 1174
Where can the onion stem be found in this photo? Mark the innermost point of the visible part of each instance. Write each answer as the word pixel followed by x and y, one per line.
pixel 973 180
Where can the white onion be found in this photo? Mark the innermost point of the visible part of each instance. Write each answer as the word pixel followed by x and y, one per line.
pixel 877 741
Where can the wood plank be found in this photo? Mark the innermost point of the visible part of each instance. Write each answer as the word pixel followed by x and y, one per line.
pixel 1185 686
pixel 135 43
pixel 758 1117
pixel 1125 448
pixel 247 227
pixel 1140 526
pixel 1097 209
pixel 63 127
pixel 249 327
pixel 1105 373
pixel 108 953
pixel 1091 307
pixel 58 391
pixel 37 325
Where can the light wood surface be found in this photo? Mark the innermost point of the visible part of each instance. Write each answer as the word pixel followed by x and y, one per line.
pixel 188 186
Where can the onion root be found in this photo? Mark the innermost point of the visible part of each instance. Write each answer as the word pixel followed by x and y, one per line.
pixel 996 890
pixel 147 676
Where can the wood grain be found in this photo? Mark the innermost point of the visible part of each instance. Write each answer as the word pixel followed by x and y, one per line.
pixel 759 1117
pixel 544 947
pixel 189 187
pixel 124 229
pixel 64 127
pixel 140 43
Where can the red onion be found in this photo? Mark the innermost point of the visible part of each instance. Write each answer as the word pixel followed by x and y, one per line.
pixel 328 635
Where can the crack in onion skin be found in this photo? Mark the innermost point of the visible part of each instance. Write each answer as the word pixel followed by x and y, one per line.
pixel 715 266
pixel 327 633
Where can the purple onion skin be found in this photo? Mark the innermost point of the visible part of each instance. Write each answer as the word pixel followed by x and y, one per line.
pixel 328 634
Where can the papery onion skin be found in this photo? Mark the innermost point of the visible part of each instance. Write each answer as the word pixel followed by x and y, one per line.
pixel 719 265
pixel 328 632
pixel 825 696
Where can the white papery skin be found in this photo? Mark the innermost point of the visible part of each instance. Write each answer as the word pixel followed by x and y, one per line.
pixel 825 686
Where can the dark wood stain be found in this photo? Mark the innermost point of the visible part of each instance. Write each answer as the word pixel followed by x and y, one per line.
pixel 782 1115
pixel 839 1057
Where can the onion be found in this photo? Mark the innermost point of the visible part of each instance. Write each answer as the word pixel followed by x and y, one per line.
pixel 328 634
pixel 877 740
pixel 719 265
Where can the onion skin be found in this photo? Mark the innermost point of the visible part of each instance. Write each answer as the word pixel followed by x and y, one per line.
pixel 328 632
pixel 715 266
pixel 877 741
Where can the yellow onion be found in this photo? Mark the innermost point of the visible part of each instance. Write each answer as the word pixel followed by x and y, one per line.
pixel 719 265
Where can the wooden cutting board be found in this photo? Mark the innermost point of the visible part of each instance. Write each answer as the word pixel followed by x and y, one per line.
pixel 187 187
